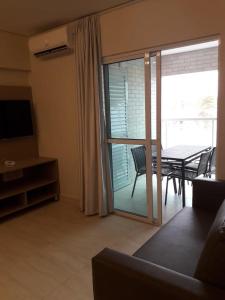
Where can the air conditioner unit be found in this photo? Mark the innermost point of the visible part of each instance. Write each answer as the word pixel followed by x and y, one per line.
pixel 57 41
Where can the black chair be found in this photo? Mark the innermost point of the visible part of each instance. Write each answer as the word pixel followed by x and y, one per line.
pixel 139 158
pixel 166 166
pixel 194 167
pixel 194 164
pixel 212 163
pixel 190 174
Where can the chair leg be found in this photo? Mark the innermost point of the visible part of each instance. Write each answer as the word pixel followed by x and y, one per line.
pixel 167 182
pixel 179 189
pixel 134 185
pixel 174 185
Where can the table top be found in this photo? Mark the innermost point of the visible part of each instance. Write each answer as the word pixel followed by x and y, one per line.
pixel 212 178
pixel 182 152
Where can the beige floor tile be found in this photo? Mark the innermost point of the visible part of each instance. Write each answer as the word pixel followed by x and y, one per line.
pixel 45 253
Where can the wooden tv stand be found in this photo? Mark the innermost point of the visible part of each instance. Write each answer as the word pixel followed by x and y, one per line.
pixel 28 183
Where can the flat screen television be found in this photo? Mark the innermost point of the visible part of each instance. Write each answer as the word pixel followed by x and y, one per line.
pixel 15 119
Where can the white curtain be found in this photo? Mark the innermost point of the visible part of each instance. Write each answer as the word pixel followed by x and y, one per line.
pixel 94 163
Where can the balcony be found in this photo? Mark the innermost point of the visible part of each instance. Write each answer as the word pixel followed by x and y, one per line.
pixel 189 131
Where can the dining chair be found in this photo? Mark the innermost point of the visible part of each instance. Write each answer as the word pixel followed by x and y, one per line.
pixel 166 166
pixel 212 163
pixel 189 174
pixel 139 157
pixel 194 164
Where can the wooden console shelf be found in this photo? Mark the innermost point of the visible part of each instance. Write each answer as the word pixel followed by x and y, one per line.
pixel 28 183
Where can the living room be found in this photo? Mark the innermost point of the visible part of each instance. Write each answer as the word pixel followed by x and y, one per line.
pixel 48 248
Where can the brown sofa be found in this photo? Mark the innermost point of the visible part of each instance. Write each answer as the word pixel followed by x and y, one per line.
pixel 184 260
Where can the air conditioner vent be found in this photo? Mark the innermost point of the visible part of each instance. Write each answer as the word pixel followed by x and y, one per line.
pixel 57 41
pixel 55 50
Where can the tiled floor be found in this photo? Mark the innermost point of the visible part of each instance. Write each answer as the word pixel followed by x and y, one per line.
pixel 45 253
pixel 138 203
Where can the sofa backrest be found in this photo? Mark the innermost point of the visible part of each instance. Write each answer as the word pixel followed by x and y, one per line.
pixel 211 265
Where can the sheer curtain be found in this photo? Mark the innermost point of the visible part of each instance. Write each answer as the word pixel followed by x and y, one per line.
pixel 95 176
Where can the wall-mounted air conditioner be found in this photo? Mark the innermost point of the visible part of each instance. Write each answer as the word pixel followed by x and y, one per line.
pixel 56 41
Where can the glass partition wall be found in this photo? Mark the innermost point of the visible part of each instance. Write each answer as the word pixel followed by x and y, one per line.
pixel 189 89
pixel 131 119
pixel 186 77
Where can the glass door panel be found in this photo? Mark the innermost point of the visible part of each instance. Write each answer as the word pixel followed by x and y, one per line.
pixel 129 178
pixel 154 182
pixel 131 89
pixel 153 71
pixel 125 101
pixel 189 107
pixel 133 118
pixel 155 139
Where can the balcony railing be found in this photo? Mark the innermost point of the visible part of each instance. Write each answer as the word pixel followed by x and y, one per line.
pixel 197 131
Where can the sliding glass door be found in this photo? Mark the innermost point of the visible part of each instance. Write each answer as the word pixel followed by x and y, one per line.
pixel 133 119
pixel 132 106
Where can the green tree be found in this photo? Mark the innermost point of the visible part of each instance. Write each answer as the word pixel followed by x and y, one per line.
pixel 207 107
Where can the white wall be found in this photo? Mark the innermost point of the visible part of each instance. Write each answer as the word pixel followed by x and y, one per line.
pixel 53 85
pixel 14 59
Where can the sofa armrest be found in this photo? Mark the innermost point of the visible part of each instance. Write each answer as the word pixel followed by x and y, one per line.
pixel 122 277
pixel 208 194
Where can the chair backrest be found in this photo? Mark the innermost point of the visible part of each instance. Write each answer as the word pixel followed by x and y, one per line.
pixel 139 157
pixel 212 161
pixel 154 148
pixel 203 163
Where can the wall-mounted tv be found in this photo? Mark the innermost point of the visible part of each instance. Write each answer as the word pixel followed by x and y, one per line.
pixel 15 119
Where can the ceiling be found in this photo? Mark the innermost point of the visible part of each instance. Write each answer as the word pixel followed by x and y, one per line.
pixel 28 17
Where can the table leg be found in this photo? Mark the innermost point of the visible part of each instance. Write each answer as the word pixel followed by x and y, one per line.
pixel 183 184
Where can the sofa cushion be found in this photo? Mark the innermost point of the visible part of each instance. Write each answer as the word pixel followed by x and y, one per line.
pixel 179 243
pixel 211 266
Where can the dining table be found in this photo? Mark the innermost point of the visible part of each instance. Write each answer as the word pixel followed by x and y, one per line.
pixel 182 155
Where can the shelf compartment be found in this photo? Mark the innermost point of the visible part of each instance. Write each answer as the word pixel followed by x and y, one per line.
pixel 11 176
pixel 28 183
pixel 20 186
pixel 42 193
pixel 48 169
pixel 12 204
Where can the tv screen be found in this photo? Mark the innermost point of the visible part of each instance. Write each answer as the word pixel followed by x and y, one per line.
pixel 15 119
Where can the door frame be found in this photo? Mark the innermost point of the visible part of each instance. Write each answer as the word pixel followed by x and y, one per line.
pixel 129 55
pixel 148 142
